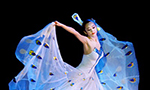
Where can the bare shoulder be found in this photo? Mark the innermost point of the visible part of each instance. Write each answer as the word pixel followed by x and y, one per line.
pixel 87 39
pixel 82 38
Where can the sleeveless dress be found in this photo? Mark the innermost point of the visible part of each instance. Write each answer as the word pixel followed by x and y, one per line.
pixel 87 69
pixel 87 66
pixel 114 67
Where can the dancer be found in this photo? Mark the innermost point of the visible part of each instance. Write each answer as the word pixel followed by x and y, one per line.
pixel 107 64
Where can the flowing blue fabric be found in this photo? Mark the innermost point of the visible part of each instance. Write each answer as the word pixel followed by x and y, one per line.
pixel 44 68
pixel 118 69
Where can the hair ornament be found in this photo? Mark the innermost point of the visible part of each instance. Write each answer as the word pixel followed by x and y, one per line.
pixel 77 19
pixel 92 20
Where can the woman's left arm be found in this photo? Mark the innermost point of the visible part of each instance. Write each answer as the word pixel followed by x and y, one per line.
pixel 67 28
pixel 81 38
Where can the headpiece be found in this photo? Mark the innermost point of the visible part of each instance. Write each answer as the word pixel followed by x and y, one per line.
pixel 92 20
pixel 77 19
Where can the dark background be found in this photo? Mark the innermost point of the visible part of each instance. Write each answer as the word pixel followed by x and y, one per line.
pixel 123 20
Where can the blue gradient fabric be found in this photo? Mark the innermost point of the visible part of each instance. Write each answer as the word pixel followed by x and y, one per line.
pixel 119 68
pixel 44 68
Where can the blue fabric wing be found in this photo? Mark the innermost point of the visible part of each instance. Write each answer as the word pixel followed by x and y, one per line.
pixel 42 60
pixel 118 69
pixel 44 68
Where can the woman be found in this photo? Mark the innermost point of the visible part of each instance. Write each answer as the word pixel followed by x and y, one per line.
pixel 106 64
pixel 90 56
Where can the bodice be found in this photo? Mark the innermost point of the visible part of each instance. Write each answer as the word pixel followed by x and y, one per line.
pixel 88 62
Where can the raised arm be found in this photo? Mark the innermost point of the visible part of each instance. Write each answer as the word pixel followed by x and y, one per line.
pixel 81 38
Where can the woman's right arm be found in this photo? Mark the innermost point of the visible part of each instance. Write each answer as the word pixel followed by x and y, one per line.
pixel 81 38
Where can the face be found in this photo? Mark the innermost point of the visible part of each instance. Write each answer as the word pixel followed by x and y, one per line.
pixel 91 29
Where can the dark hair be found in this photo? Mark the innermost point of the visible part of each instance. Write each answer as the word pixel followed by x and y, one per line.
pixel 84 23
pixel 87 21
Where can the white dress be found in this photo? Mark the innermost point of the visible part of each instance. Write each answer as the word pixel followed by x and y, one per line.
pixel 89 81
pixel 87 66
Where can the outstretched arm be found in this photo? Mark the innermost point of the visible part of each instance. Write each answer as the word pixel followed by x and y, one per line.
pixel 81 38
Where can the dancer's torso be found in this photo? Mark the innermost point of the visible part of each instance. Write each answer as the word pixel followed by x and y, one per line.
pixel 88 61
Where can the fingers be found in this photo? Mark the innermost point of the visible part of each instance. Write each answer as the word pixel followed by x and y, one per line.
pixel 56 22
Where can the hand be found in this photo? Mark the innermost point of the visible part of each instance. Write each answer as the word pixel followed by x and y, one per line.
pixel 58 23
